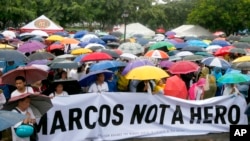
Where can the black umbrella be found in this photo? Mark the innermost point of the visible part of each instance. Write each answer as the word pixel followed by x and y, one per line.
pixel 116 33
pixel 243 45
pixel 193 49
pixel 113 44
pixel 233 38
pixel 112 53
pixel 242 66
pixel 41 56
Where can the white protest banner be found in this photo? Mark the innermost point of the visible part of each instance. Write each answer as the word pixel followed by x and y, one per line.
pixel 114 116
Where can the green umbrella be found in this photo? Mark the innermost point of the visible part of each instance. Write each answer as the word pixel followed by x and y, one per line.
pixel 204 54
pixel 233 78
pixel 162 45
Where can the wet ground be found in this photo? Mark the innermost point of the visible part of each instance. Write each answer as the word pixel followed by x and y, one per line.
pixel 208 137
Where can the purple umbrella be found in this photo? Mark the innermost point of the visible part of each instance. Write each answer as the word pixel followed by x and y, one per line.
pixel 166 64
pixel 170 33
pixel 39 62
pixel 31 46
pixel 136 63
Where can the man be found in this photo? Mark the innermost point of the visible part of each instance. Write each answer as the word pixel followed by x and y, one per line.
pixel 21 87
pixel 100 85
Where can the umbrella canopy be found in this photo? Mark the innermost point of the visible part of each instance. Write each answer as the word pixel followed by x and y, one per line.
pixel 238 51
pixel 162 45
pixel 62 33
pixel 222 43
pixel 31 46
pixel 216 62
pixel 176 87
pixel 242 65
pixel 166 64
pixel 13 55
pixel 133 48
pixel 213 48
pixel 88 37
pixel 39 62
pixel 110 52
pixel 183 67
pixel 145 73
pixel 193 49
pixel 69 41
pixel 107 65
pixel 39 33
pixel 42 67
pixel 136 63
pixel 94 46
pixel 37 38
pixel 128 56
pixel 65 56
pixel 64 64
pixel 96 56
pixel 223 51
pixel 39 104
pixel 90 78
pixel 204 54
pixel 242 59
pixel 233 38
pixel 6 46
pixel 233 78
pixel 113 44
pixel 55 46
pixel 80 34
pixel 197 43
pixel 157 54
pixel 174 58
pixel 8 119
pixel 80 51
pixel 9 34
pixel 243 45
pixel 193 58
pixel 41 56
pixel 30 73
pixel 55 38
pixel 245 39
pixel 184 53
pixel 109 38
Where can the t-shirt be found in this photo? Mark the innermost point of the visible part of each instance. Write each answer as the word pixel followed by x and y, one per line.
pixel 14 136
pixel 63 93
pixel 98 88
pixel 27 90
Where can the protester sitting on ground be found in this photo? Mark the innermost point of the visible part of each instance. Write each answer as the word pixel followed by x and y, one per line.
pixel 21 87
pixel 58 91
pixel 100 85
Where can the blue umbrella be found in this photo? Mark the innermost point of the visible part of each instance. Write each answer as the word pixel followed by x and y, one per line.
pixel 216 62
pixel 83 44
pixel 79 58
pixel 97 40
pixel 220 43
pixel 62 33
pixel 142 41
pixel 8 119
pixel 1 36
pixel 197 43
pixel 107 65
pixel 180 45
pixel 107 38
pixel 80 34
pixel 90 78
pixel 13 55
pixel 233 78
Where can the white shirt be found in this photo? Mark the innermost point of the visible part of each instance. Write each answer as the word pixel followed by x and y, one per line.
pixel 94 88
pixel 63 93
pixel 27 90
pixel 14 136
pixel 2 100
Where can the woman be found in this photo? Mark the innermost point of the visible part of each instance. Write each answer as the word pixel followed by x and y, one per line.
pixel 230 89
pixel 159 88
pixel 145 86
pixel 100 85
pixel 58 91
pixel 196 91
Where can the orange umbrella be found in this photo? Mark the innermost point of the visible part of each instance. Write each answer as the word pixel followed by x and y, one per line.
pixel 69 41
pixel 176 87
pixel 157 54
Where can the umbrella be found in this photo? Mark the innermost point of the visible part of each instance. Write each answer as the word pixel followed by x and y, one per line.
pixel 223 51
pixel 112 53
pixel 80 34
pixel 233 38
pixel 9 34
pixel 55 38
pixel 8 119
pixel 64 64
pixel 133 48
pixel 216 62
pixel 197 43
pixel 187 38
pixel 176 87
pixel 173 52
pixel 174 58
pixel 55 46
pixel 166 64
pixel 220 43
pixel 243 45
pixel 13 55
pixel 218 33
pixel 245 39
pixel 233 78
pixel 180 45
pixel 39 62
pixel 79 58
pixel 69 41
pixel 107 65
pixel 213 48
pixel 31 46
pixel 238 51
pixel 62 33
pixel 37 38
pixel 184 53
pixel 90 78
pixel 157 54
pixel 109 38
pixel 242 59
pixel 88 37
pixel 128 56
pixel 65 56
pixel 113 44
pixel 145 73
pixel 242 66
pixel 136 63
pixel 39 33
pixel 204 54
pixel 6 46
pixel 31 74
pixel 193 58
pixel 170 33
pixel 142 41
pixel 41 56
pixel 96 56
pixel 193 49
pixel 116 34
pixel 95 46
pixel 183 67
pixel 39 104
pixel 162 45
pixel 42 67
pixel 80 51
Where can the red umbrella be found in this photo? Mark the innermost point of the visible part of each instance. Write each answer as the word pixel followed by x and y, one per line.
pixel 96 56
pixel 223 51
pixel 30 73
pixel 183 67
pixel 157 54
pixel 160 30
pixel 55 46
pixel 176 87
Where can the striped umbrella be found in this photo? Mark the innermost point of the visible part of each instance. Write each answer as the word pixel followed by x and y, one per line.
pixel 216 62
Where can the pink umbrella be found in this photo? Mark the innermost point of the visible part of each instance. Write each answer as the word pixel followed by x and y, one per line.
pixel 30 73
pixel 31 46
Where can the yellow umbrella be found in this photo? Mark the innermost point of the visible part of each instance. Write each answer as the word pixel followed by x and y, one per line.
pixel 146 73
pixel 55 38
pixel 242 59
pixel 69 41
pixel 6 46
pixel 80 51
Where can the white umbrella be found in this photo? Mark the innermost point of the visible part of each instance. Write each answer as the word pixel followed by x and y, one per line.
pixel 9 34
pixel 184 53
pixel 65 56
pixel 128 56
pixel 40 33
pixel 88 37
pixel 42 67
pixel 213 48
